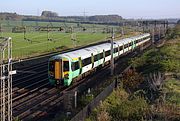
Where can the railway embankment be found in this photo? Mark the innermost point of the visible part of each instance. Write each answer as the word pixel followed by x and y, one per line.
pixel 149 91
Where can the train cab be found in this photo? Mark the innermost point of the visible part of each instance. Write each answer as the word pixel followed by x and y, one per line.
pixel 58 71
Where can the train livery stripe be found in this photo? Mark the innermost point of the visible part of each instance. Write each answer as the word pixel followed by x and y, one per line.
pixel 104 57
pixel 92 60
pixel 80 65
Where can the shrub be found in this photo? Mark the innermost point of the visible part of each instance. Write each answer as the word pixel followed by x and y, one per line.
pixel 135 110
pixel 131 80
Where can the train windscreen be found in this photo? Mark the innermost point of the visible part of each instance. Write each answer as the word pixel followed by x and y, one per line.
pixel 51 66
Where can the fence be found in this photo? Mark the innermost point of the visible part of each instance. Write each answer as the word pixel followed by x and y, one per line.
pixel 85 112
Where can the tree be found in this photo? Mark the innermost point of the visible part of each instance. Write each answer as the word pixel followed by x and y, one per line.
pixel 49 14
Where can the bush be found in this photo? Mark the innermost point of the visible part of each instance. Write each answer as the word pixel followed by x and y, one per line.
pixel 84 100
pixel 103 116
pixel 135 110
pixel 131 80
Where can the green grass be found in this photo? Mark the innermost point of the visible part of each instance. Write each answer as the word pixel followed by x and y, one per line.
pixel 7 25
pixel 172 88
pixel 164 59
pixel 40 44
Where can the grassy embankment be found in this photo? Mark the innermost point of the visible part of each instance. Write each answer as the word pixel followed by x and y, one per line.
pixel 141 102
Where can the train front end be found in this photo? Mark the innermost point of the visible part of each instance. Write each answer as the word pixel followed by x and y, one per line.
pixel 59 71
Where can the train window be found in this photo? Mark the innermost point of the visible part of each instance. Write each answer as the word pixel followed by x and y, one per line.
pixel 101 55
pixel 137 41
pixel 75 66
pixel 72 66
pixel 126 46
pixel 120 48
pixel 115 50
pixel 51 66
pixel 86 61
pixel 66 66
pixel 96 57
pixel 147 37
pixel 107 53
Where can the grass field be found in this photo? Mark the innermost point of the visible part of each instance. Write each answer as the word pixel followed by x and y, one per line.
pixel 37 42
pixel 7 25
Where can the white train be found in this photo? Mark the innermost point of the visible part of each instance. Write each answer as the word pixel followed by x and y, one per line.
pixel 64 68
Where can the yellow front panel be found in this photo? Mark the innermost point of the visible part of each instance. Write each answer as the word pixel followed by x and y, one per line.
pixel 57 70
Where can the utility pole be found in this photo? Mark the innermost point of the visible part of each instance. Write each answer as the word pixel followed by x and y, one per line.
pixel 159 31
pixel 153 35
pixel 6 79
pixel 1 30
pixel 143 26
pixel 112 51
pixel 24 28
pixel 22 23
pixel 167 26
pixel 84 14
pixel 147 26
pixel 37 18
pixel 48 32
pixel 73 36
pixel 164 28
pixel 122 29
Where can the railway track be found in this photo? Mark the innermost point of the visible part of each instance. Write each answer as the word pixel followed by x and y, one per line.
pixel 31 95
pixel 53 100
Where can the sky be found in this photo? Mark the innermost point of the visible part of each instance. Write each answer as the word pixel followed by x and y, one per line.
pixel 138 9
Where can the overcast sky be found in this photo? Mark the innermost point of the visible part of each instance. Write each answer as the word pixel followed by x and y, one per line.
pixel 125 8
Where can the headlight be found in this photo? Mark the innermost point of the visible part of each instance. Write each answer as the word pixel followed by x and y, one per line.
pixel 66 76
pixel 51 73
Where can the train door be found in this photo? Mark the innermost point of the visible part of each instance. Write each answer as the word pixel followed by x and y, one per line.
pixel 58 69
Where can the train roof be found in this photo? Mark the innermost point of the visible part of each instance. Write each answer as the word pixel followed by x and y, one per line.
pixel 127 40
pixel 86 52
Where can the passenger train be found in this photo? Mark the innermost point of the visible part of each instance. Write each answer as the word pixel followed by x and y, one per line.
pixel 64 68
